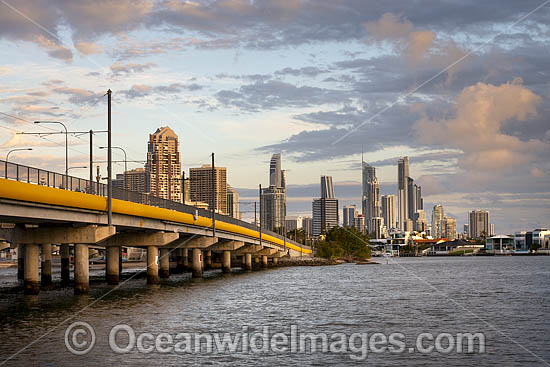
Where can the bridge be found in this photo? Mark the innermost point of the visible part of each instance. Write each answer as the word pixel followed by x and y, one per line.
pixel 46 208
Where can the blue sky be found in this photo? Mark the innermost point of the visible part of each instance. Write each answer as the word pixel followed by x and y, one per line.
pixel 318 81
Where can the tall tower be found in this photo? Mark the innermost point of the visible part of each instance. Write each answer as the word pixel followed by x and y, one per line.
pixel 371 194
pixel 275 176
pixel 327 190
pixel 403 191
pixel 388 211
pixel 437 216
pixel 479 223
pixel 163 165
pixel 201 186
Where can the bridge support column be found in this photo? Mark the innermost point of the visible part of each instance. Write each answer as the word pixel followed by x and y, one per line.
pixel 179 260
pixel 119 259
pixel 20 261
pixel 226 262
pixel 248 262
pixel 185 259
pixel 275 261
pixel 46 265
pixel 81 269
pixel 208 264
pixel 113 269
pixel 152 265
pixel 256 259
pixel 65 266
pixel 197 262
pixel 264 261
pixel 32 286
pixel 164 263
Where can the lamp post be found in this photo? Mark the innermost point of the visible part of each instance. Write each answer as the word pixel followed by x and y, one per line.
pixel 8 155
pixel 76 167
pixel 125 161
pixel 66 142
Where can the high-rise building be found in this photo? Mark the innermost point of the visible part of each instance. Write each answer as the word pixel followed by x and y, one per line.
pixel 359 223
pixel 448 227
pixel 349 215
pixel 293 223
pixel 273 208
pixel 202 186
pixel 479 224
pixel 327 190
pixel 283 179
pixel 420 221
pixel 135 180
pixel 163 165
pixel 415 201
pixel 118 181
pixel 307 225
pixel 403 191
pixel 377 225
pixel 275 175
pixel 388 211
pixel 233 203
pixel 325 209
pixel 371 194
pixel 437 217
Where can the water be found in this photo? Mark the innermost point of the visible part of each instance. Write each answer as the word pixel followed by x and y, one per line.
pixel 506 298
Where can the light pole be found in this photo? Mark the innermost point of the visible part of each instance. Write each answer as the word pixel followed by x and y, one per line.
pixel 76 167
pixel 125 156
pixel 66 142
pixel 8 155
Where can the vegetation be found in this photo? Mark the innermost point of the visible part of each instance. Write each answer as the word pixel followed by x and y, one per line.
pixel 344 242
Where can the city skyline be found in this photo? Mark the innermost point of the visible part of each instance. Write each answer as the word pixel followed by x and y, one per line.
pixel 290 86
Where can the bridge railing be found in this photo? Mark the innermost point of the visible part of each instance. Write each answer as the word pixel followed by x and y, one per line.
pixel 22 173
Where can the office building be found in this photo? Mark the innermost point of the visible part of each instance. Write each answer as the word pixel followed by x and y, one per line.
pixel 135 180
pixel 377 226
pixel 479 224
pixel 118 181
pixel 388 211
pixel 283 179
pixel 204 189
pixel 359 223
pixel 163 165
pixel 448 228
pixel 349 215
pixel 420 221
pixel 370 194
pixel 402 191
pixel 273 209
pixel 275 176
pixel 293 223
pixel 325 209
pixel 307 225
pixel 437 217
pixel 233 203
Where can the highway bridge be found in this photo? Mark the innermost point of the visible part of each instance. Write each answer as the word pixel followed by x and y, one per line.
pixel 46 208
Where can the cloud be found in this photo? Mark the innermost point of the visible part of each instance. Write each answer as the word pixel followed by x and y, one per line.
pixel 481 112
pixel 88 48
pixel 79 96
pixel 120 68
pixel 54 47
pixel 143 90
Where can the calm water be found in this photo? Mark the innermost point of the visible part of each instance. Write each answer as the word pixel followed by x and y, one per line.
pixel 506 298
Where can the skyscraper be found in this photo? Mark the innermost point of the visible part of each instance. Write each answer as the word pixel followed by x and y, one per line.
pixel 275 171
pixel 448 228
pixel 437 217
pixel 371 195
pixel 403 191
pixel 479 223
pixel 163 165
pixel 273 208
pixel 135 180
pixel 233 202
pixel 201 186
pixel 388 211
pixel 283 179
pixel 420 222
pixel 327 190
pixel 325 209
pixel 349 215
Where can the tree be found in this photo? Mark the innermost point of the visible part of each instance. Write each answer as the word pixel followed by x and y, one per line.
pixel 346 242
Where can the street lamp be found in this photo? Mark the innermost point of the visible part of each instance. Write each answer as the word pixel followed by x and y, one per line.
pixel 76 167
pixel 66 142
pixel 125 156
pixel 8 155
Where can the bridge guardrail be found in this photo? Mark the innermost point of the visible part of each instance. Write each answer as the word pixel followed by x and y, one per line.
pixel 22 173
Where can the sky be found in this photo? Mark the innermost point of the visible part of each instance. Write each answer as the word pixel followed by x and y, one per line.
pixel 462 88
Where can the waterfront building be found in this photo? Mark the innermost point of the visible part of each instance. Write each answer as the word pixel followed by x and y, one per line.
pixel 349 215
pixel 307 225
pixel 519 242
pixel 135 180
pixel 499 244
pixel 479 223
pixel 420 222
pixel 448 228
pixel 359 223
pixel 233 203
pixel 273 208
pixel 402 191
pixel 540 238
pixel 163 168
pixel 377 225
pixel 371 206
pixel 204 190
pixel 275 175
pixel 325 209
pixel 293 223
pixel 437 217
pixel 388 211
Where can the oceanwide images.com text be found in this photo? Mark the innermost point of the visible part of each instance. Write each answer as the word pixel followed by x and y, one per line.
pixel 80 339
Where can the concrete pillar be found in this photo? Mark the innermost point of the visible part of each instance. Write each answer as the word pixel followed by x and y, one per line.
pixel 32 286
pixel 185 258
pixel 120 260
pixel 46 265
pixel 65 264
pixel 81 269
pixel 248 262
pixel 20 261
pixel 226 262
pixel 275 261
pixel 264 261
pixel 164 263
pixel 179 260
pixel 197 262
pixel 208 260
pixel 113 269
pixel 256 259
pixel 152 265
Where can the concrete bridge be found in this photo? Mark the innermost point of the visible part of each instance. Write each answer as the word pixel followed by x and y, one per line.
pixel 48 209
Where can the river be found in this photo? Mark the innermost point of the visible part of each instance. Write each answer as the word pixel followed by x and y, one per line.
pixel 507 299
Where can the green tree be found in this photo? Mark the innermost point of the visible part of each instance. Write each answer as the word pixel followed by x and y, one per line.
pixel 345 242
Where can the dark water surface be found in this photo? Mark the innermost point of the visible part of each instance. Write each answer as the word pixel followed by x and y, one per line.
pixel 506 298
